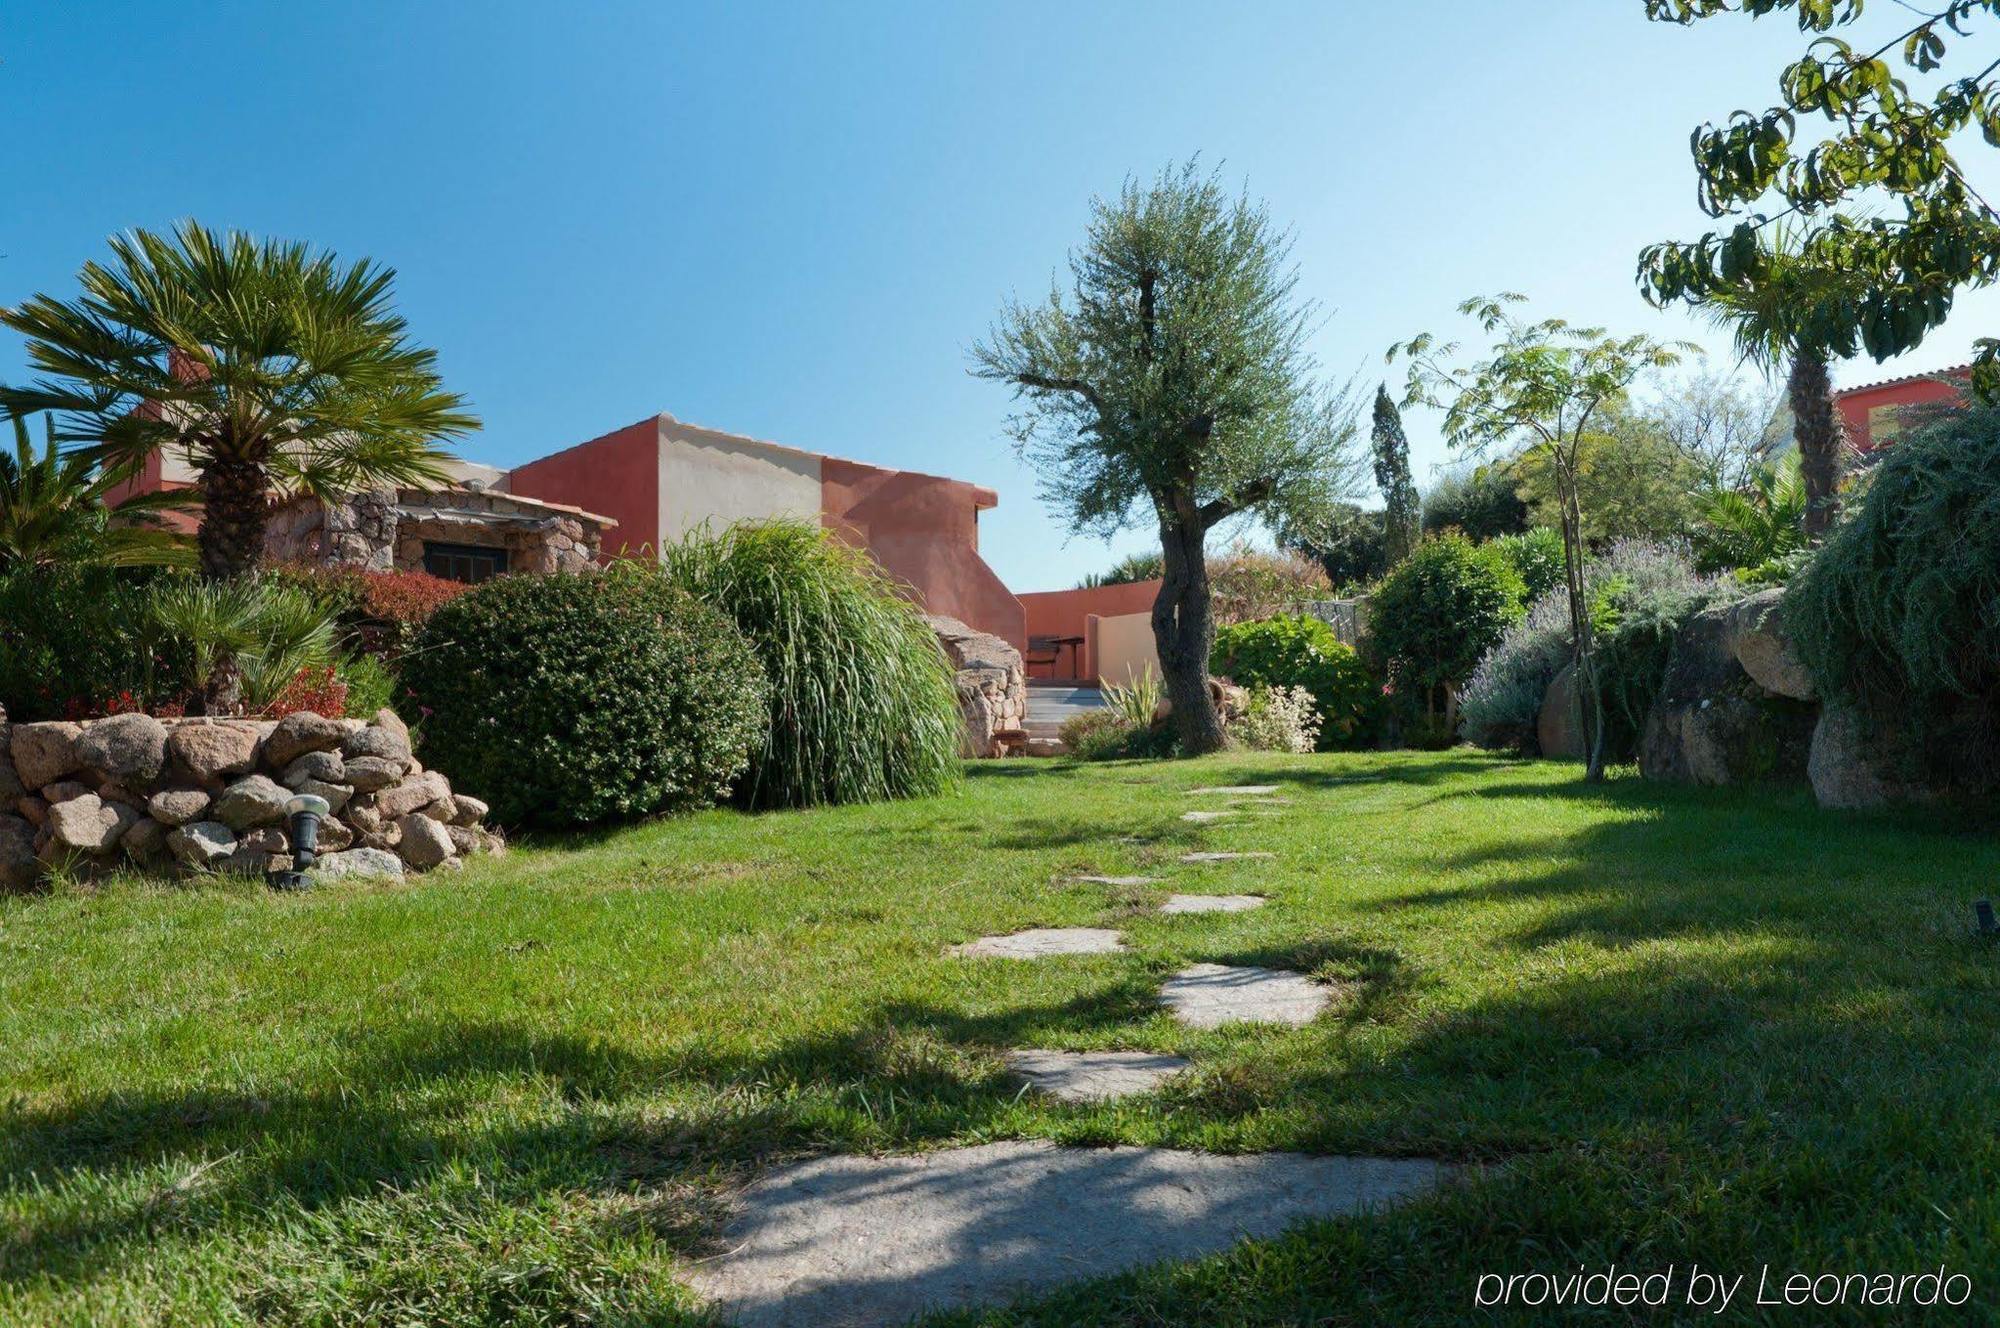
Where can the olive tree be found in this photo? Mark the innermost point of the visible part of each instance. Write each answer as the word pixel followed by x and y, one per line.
pixel 1543 388
pixel 1172 383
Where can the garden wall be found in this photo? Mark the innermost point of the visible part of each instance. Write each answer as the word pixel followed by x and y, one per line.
pixel 177 796
pixel 992 688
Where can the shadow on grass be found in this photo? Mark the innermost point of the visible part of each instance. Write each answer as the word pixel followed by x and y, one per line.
pixel 1761 1004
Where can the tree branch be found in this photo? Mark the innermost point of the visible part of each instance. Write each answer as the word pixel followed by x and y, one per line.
pixel 1076 385
pixel 1221 509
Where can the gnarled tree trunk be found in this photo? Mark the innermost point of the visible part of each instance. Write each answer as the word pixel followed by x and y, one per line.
pixel 1184 633
pixel 1822 441
pixel 234 512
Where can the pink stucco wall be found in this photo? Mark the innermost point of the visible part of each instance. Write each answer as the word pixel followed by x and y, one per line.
pixel 1874 410
pixel 617 475
pixel 924 530
pixel 1065 613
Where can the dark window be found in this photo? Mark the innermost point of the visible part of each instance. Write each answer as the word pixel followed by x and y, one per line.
pixel 464 562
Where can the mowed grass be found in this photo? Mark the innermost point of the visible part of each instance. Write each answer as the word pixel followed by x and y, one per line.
pixel 1659 1026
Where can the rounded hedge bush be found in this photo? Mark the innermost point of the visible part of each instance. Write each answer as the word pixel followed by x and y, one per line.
pixel 573 699
pixel 863 704
pixel 1538 556
pixel 1443 608
pixel 1297 650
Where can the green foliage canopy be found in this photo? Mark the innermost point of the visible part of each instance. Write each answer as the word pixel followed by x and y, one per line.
pixel 1479 502
pixel 1877 284
pixel 54 508
pixel 1632 483
pixel 265 365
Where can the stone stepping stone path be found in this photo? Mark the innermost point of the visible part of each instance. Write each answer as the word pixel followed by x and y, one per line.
pixel 1237 790
pixel 1118 880
pixel 853 1241
pixel 1211 903
pixel 1094 1076
pixel 1207 816
pixel 1211 995
pixel 1042 942
pixel 1253 855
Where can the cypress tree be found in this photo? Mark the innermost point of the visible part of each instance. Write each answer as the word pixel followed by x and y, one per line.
pixel 1392 477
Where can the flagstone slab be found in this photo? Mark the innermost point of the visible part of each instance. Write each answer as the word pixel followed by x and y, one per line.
pixel 1239 790
pixel 1206 816
pixel 1094 1076
pixel 1041 942
pixel 1211 903
pixel 1226 857
pixel 855 1242
pixel 1118 880
pixel 1211 995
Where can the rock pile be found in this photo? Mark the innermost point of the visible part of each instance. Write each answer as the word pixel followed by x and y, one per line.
pixel 1735 706
pixel 190 795
pixel 992 687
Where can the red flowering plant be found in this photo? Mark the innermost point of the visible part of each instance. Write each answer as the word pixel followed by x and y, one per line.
pixel 381 611
pixel 314 688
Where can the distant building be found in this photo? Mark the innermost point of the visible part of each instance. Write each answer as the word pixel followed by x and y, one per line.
pixel 630 491
pixel 661 478
pixel 1875 413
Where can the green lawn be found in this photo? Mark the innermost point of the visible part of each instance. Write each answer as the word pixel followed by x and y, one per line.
pixel 1665 1026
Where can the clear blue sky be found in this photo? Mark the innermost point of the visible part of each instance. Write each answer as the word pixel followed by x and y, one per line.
pixel 791 221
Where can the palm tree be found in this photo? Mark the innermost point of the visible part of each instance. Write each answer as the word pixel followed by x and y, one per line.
pixel 1756 524
pixel 1791 312
pixel 267 366
pixel 54 508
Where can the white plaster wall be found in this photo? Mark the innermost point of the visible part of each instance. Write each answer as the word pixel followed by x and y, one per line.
pixel 721 478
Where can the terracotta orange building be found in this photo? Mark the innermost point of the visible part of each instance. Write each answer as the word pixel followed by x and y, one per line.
pixel 662 477
pixel 1875 413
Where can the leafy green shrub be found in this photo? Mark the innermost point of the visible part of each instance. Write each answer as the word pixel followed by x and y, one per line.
pixel 862 702
pixel 1278 719
pixel 1641 594
pixel 1755 526
pixel 1538 556
pixel 1296 650
pixel 1895 614
pixel 1481 504
pixel 1440 611
pixel 73 643
pixel 1097 735
pixel 574 699
pixel 370 685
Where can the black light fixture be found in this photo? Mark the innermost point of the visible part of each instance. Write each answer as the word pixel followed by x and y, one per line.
pixel 1982 909
pixel 305 812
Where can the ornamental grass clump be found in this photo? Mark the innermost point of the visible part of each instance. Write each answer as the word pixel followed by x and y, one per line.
pixel 571 700
pixel 862 701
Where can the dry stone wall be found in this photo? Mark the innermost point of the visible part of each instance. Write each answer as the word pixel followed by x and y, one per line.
pixel 182 796
pixel 992 686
